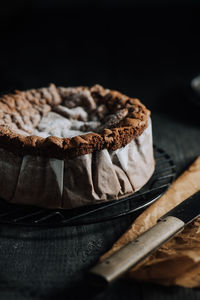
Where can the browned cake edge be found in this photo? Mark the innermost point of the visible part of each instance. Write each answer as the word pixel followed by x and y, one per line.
pixel 111 138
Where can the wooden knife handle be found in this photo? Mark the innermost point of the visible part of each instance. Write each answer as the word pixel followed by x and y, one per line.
pixel 131 254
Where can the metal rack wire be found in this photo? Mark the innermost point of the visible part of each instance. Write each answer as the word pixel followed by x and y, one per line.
pixel 34 216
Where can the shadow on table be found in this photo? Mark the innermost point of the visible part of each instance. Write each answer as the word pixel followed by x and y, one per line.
pixel 122 289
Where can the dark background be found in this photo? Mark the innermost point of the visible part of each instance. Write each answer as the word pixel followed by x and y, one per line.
pixel 142 48
pixel 146 49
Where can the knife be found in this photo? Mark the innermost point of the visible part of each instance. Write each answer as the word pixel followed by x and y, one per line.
pixel 134 252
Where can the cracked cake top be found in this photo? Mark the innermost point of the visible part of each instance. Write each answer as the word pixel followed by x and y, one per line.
pixel 64 122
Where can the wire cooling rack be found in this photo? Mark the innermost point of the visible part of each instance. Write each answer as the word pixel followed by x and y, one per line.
pixel 34 216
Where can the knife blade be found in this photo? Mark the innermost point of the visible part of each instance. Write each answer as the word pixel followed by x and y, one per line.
pixel 134 252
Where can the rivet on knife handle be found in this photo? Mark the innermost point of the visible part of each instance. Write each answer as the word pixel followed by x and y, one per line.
pixel 131 254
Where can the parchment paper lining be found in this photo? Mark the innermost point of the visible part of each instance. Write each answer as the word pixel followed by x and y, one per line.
pixel 86 179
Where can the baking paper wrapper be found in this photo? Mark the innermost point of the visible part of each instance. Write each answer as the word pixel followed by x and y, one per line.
pixel 87 179
pixel 177 262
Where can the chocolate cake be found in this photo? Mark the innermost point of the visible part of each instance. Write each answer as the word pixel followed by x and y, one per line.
pixel 67 147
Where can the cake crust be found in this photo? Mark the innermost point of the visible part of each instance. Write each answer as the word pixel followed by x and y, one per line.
pixel 127 119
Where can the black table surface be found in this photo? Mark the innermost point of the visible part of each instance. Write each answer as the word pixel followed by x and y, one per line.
pixel 153 64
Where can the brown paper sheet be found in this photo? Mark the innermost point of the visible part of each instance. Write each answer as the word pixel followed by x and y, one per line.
pixel 177 262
